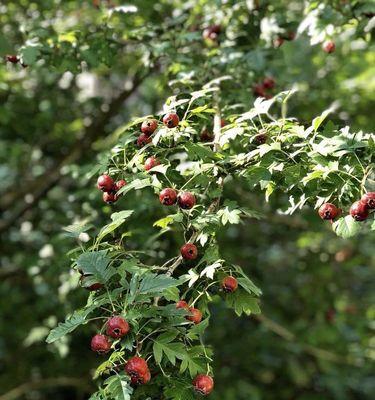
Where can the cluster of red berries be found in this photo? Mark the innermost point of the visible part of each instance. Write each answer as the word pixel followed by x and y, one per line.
pixel 110 188
pixel 359 210
pixel 261 89
pixel 169 197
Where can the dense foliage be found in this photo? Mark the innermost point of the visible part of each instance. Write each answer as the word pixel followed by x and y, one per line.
pixel 253 85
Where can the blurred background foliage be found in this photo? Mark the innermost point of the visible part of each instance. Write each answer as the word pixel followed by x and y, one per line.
pixel 91 68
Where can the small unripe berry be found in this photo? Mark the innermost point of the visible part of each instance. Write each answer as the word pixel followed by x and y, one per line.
pixel 137 369
pixel 269 83
pixel 186 200
pixel 359 211
pixel 149 126
pixel 189 251
pixel 105 183
pixel 369 200
pixel 151 162
pixel 203 384
pixel 120 184
pixel 171 120
pixel 110 198
pixel 100 344
pixel 328 211
pixel 329 46
pixel 143 139
pixel 168 197
pixel 12 58
pixel 93 287
pixel 195 315
pixel 229 284
pixel 182 304
pixel 117 327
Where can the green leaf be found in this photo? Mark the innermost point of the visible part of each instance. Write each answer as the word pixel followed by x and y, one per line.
pixel 243 302
pixel 178 390
pixel 153 283
pixel 169 219
pixel 136 185
pixel 346 227
pixel 76 229
pixel 71 323
pixel 118 219
pixel 163 345
pixel 118 387
pixel 256 174
pixel 96 263
pixel 194 361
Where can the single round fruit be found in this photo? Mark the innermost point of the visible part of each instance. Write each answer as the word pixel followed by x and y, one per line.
pixel 149 126
pixel 105 183
pixel 229 284
pixel 171 120
pixel 186 200
pixel 258 90
pixel 100 344
pixel 182 304
pixel 117 327
pixel 168 197
pixel 137 369
pixel 120 184
pixel 203 384
pixel 359 211
pixel 278 42
pixel 212 32
pixel 143 139
pixel 91 287
pixel 12 58
pixel 329 46
pixel 261 137
pixel 223 123
pixel 151 162
pixel 290 35
pixel 369 200
pixel 206 136
pixel 189 251
pixel 328 211
pixel 269 83
pixel 110 198
pixel 195 315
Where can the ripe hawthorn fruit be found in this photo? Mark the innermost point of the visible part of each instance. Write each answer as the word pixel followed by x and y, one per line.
pixel 93 287
pixel 269 83
pixel 105 183
pixel 261 137
pixel 171 120
pixel 168 197
pixel 151 162
pixel 110 198
pixel 100 344
pixel 369 200
pixel 212 32
pixel 120 184
pixel 203 384
pixel 186 200
pixel 329 46
pixel 359 211
pixel 137 369
pixel 143 139
pixel 278 42
pixel 182 304
pixel 117 327
pixel 229 284
pixel 149 126
pixel 195 315
pixel 328 211
pixel 259 90
pixel 12 58
pixel 189 251
pixel 206 136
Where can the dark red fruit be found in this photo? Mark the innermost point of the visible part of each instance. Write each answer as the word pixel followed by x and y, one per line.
pixel 120 184
pixel 151 162
pixel 330 315
pixel 278 42
pixel 138 371
pixel 203 384
pixel 261 137
pixel 186 200
pixel 149 126
pixel 212 32
pixel 110 198
pixel 105 183
pixel 171 120
pixel 328 211
pixel 182 304
pixel 117 327
pixel 359 211
pixel 207 136
pixel 229 284
pixel 189 251
pixel 259 91
pixel 195 315
pixel 329 46
pixel 93 287
pixel 269 83
pixel 168 197
pixel 369 200
pixel 223 123
pixel 143 139
pixel 100 344
pixel 12 58
pixel 290 35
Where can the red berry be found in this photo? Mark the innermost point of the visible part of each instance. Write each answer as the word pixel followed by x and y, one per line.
pixel 12 58
pixel 110 198
pixel 117 327
pixel 151 162
pixel 189 251
pixel 186 200
pixel 203 384
pixel 206 136
pixel 137 369
pixel 229 284
pixel 278 42
pixel 100 344
pixel 269 83
pixel 168 197
pixel 290 35
pixel 105 183
pixel 369 200
pixel 149 126
pixel 120 184
pixel 212 32
pixel 143 139
pixel 223 123
pixel 171 120
pixel 91 287
pixel 328 211
pixel 182 304
pixel 329 46
pixel 195 315
pixel 261 137
pixel 359 211
pixel 258 90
